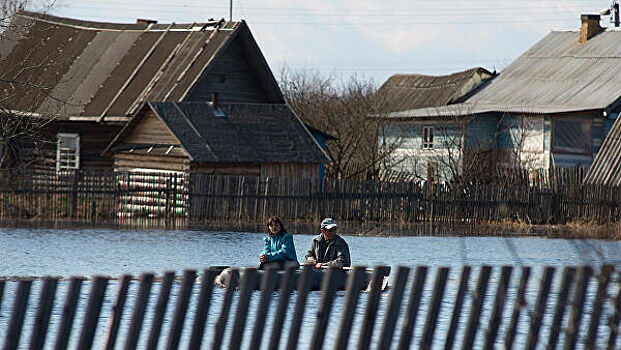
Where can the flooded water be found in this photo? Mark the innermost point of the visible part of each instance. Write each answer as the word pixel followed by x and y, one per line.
pixel 88 252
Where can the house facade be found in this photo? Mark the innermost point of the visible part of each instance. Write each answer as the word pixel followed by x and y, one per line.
pixel 415 143
pixel 551 107
pixel 89 79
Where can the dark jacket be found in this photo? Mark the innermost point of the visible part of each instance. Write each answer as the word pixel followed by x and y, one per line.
pixel 335 252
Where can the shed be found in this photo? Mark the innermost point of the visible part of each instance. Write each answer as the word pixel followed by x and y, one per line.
pixel 241 139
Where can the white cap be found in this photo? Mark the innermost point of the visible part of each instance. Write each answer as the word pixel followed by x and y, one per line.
pixel 328 223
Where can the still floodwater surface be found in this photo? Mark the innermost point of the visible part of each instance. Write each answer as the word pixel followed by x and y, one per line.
pixel 87 252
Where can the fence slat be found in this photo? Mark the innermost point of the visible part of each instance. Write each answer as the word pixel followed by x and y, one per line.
pixel 411 312
pixel 540 307
pixel 457 307
pixel 356 276
pixel 303 287
pixel 434 308
pixel 93 308
pixel 181 308
pixel 615 318
pixel 596 312
pixel 268 285
pixel 44 311
pixel 561 302
pixel 519 304
pixel 328 289
pixel 204 301
pixel 247 284
pixel 18 313
pixel 573 326
pixel 497 310
pixel 1 292
pixel 160 310
pixel 368 323
pixel 394 305
pixel 224 311
pixel 69 309
pixel 117 312
pixel 140 306
pixel 476 308
pixel 286 286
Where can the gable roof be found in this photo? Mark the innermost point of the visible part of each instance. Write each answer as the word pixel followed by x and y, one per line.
pixel 558 74
pixel 410 91
pixel 247 133
pixel 90 70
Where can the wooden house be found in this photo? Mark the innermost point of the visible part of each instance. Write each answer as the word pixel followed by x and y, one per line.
pixel 403 92
pixel 89 79
pixel 551 107
pixel 242 139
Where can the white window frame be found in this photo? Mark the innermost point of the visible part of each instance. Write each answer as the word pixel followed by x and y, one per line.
pixel 67 158
pixel 427 137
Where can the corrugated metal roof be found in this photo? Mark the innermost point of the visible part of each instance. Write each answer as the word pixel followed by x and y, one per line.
pixel 558 74
pixel 247 132
pixel 409 91
pixel 91 69
pixel 606 168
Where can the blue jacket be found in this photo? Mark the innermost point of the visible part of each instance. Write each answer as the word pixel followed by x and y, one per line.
pixel 279 247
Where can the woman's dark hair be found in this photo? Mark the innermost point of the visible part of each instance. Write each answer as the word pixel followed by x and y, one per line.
pixel 275 219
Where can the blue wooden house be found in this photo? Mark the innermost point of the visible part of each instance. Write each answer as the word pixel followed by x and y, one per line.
pixel 551 107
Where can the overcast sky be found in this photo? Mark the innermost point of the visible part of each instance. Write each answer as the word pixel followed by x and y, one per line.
pixel 370 38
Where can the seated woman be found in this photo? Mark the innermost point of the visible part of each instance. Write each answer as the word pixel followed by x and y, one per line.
pixel 279 248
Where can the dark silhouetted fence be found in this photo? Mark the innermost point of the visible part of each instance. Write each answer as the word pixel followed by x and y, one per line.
pixel 487 311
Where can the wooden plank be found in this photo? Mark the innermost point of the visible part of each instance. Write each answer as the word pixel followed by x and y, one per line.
pixel 328 289
pixel 224 312
pixel 247 285
pixel 540 307
pixel 352 294
pixel 596 311
pixel 66 320
pixel 286 286
pixel 160 309
pixel 303 287
pixel 202 310
pixel 615 318
pixel 561 302
pixel 411 312
pixel 370 313
pixel 181 308
pixel 476 308
pixel 497 310
pixel 93 308
pixel 394 305
pixel 44 311
pixel 434 308
pixel 1 292
pixel 457 307
pixel 20 304
pixel 140 307
pixel 117 312
pixel 268 285
pixel 573 326
pixel 519 304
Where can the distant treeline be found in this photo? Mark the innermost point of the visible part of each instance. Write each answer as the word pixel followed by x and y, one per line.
pixel 556 197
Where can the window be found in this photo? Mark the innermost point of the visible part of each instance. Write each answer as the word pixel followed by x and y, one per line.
pixel 572 135
pixel 427 137
pixel 68 152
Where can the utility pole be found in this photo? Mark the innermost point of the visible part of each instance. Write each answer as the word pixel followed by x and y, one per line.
pixel 615 13
pixel 231 10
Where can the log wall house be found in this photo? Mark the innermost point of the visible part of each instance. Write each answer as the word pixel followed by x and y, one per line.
pixel 89 79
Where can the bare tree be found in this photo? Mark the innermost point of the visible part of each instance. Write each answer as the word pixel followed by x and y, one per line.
pixel 21 128
pixel 348 111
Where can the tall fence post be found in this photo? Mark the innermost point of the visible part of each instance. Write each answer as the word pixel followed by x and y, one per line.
pixel 561 302
pixel 573 326
pixel 181 308
pixel 411 311
pixel 18 313
pixel 596 312
pixel 69 309
pixel 519 304
pixel 394 305
pixel 91 317
pixel 457 307
pixel 160 310
pixel 368 323
pixel 477 307
pixel 204 301
pixel 328 289
pixel 117 312
pixel 286 285
pixel 303 287
pixel 540 307
pixel 140 306
pixel 499 304
pixel 42 319
pixel 349 309
pixel 434 308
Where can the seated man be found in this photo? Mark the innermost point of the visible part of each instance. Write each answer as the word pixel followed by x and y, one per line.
pixel 328 248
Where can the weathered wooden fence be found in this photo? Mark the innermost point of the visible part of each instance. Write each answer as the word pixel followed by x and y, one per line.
pixel 114 196
pixel 582 309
